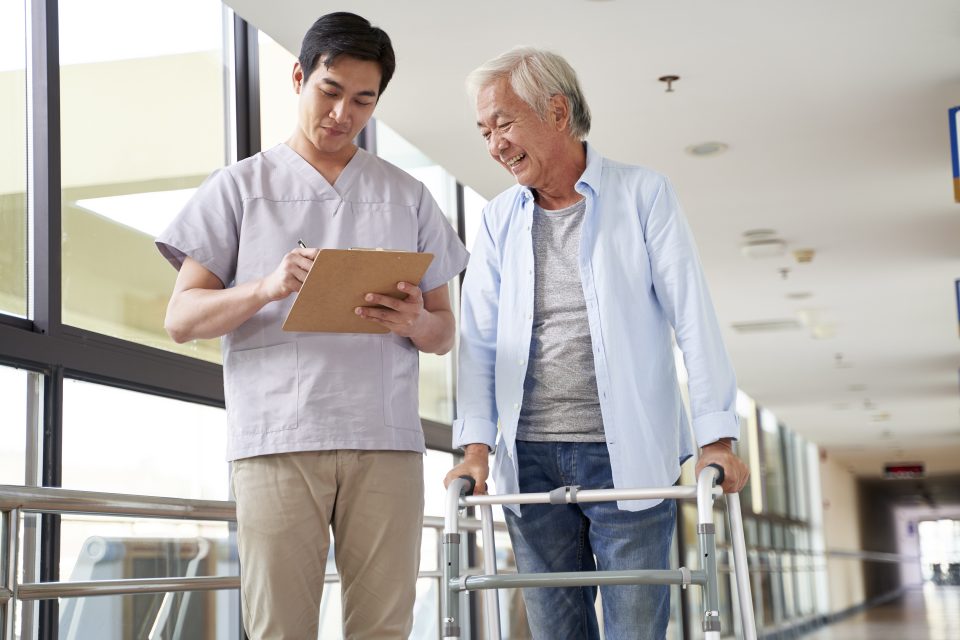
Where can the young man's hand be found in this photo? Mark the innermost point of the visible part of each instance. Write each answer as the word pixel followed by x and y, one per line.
pixel 402 317
pixel 289 275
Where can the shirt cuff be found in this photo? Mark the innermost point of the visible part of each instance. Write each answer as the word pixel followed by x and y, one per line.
pixel 711 427
pixel 474 430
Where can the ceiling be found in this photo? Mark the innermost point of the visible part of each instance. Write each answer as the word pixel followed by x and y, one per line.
pixel 836 119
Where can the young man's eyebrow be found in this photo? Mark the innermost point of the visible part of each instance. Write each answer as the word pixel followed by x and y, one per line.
pixel 337 85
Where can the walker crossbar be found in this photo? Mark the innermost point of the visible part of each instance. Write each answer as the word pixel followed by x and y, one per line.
pixel 705 491
pixel 579 579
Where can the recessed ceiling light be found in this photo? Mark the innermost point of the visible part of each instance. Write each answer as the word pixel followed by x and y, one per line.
pixel 762 243
pixel 707 149
pixel 799 295
pixel 759 326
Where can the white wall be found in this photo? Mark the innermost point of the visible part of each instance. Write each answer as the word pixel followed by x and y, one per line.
pixel 841 532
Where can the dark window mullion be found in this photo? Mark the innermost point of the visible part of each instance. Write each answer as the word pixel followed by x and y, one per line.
pixel 51 476
pixel 98 358
pixel 44 186
pixel 46 290
pixel 246 56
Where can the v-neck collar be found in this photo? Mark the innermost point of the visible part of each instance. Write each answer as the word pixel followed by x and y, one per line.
pixel 313 177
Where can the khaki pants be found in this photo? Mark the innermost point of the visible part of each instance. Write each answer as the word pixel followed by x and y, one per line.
pixel 286 503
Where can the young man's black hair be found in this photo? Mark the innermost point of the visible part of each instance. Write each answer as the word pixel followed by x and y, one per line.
pixel 344 33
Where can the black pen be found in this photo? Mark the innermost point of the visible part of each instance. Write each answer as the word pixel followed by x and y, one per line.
pixel 300 242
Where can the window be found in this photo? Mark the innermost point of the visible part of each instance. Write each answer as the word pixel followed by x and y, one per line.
pixel 747 451
pixel 473 204
pixel 774 470
pixel 142 123
pixel 278 102
pixel 436 372
pixel 15 389
pixel 126 442
pixel 13 160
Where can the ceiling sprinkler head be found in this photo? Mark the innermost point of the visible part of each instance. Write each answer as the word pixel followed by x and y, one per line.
pixel 669 80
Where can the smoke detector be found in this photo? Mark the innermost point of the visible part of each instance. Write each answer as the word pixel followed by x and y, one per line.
pixel 762 243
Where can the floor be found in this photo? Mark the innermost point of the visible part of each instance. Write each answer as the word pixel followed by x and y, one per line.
pixel 930 613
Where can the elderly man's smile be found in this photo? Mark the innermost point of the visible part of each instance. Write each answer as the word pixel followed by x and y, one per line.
pixel 511 162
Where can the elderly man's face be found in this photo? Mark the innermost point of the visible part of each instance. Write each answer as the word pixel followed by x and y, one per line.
pixel 516 137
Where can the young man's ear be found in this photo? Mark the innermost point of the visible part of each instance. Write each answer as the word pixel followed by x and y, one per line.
pixel 297 77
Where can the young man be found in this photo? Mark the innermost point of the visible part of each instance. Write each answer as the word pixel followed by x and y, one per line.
pixel 324 430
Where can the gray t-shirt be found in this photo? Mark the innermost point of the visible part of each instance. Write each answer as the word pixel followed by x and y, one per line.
pixel 560 400
pixel 312 391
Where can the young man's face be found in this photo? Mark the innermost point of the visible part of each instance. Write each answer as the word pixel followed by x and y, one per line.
pixel 336 102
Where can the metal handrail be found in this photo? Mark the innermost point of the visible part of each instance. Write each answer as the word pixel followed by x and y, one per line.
pixel 53 500
pixel 70 501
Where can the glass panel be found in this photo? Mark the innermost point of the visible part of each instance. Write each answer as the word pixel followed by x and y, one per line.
pixel 122 441
pixel 201 614
pixel 142 119
pixel 13 160
pixel 13 426
pixel 436 464
pixel 751 495
pixel 798 463
pixel 108 548
pixel 774 472
pixel 436 372
pixel 278 101
pixel 473 204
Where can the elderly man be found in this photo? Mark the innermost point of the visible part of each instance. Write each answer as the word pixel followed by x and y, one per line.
pixel 577 276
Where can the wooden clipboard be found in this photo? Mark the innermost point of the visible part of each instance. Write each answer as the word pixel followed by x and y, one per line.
pixel 338 280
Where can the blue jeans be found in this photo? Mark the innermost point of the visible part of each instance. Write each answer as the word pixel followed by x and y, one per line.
pixel 588 537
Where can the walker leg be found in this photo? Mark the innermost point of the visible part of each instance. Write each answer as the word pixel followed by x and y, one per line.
pixel 706 533
pixel 747 620
pixel 491 600
pixel 450 594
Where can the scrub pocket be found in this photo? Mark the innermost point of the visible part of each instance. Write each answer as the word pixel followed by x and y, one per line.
pixel 261 388
pixel 401 370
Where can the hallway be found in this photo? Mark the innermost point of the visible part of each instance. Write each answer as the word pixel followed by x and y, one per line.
pixel 928 613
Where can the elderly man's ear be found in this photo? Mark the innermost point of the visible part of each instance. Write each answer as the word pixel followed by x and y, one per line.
pixel 559 110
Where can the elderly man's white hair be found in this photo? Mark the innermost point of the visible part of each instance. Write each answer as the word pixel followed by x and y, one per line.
pixel 535 76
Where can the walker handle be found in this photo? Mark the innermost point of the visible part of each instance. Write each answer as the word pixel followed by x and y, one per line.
pixel 720 475
pixel 472 482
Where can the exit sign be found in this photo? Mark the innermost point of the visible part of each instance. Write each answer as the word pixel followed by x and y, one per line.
pixel 901 470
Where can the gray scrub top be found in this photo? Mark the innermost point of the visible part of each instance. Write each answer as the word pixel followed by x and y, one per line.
pixel 312 391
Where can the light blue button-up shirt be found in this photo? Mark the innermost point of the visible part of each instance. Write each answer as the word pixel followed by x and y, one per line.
pixel 641 277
